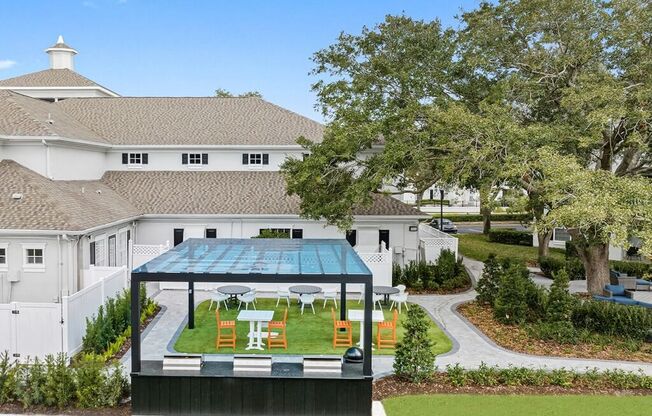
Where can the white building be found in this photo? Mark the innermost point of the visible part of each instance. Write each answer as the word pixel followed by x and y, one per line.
pixel 84 170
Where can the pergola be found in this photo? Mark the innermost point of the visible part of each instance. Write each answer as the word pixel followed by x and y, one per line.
pixel 276 261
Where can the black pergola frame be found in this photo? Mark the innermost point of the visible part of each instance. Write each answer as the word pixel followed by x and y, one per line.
pixel 191 278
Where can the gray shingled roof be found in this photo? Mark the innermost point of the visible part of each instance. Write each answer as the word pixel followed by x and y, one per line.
pixel 223 192
pixel 191 121
pixel 49 78
pixel 56 205
pixel 78 206
pixel 25 116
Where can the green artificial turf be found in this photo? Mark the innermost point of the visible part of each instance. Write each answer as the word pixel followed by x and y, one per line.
pixel 478 247
pixel 464 404
pixel 307 333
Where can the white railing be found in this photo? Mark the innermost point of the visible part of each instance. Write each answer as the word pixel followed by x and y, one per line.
pixel 380 265
pixel 432 242
pixel 37 329
pixel 85 303
pixel 142 253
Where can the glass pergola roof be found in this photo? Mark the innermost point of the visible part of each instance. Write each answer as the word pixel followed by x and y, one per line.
pixel 267 256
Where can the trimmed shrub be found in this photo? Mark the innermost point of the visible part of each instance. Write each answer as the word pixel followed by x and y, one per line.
pixel 489 282
pixel 612 319
pixel 562 332
pixel 59 382
pixel 447 273
pixel 8 376
pixel 415 359
pixel 514 237
pixel 444 202
pixel 560 301
pixel 522 216
pixel 550 265
pixel 511 303
pixel 632 268
pixel 31 384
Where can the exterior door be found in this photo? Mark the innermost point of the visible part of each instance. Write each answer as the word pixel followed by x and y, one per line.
pixel 383 237
pixel 178 236
pixel 112 251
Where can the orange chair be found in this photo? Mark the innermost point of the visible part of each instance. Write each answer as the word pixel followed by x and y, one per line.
pixel 390 340
pixel 281 339
pixel 341 338
pixel 224 340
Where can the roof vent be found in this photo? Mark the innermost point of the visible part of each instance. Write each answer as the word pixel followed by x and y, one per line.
pixel 99 191
pixel 17 196
pixel 49 120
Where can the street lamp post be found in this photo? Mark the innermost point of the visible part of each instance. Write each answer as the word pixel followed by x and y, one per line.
pixel 441 210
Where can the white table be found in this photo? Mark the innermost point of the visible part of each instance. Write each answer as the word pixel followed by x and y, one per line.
pixel 357 315
pixel 255 318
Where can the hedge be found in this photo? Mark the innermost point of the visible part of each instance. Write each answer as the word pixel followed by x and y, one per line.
pixel 551 265
pixel 612 319
pixel 444 202
pixel 573 265
pixel 494 217
pixel 448 273
pixel 515 237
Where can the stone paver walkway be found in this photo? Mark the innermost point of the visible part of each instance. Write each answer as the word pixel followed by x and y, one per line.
pixel 470 347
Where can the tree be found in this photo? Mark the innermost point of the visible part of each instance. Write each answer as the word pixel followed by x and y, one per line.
pixel 560 301
pixel 598 207
pixel 222 93
pixel 377 91
pixel 582 66
pixel 415 359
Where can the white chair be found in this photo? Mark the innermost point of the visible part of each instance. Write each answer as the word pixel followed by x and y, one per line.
pixel 399 299
pixel 248 298
pixel 219 297
pixel 307 299
pixel 330 295
pixel 282 293
pixel 378 301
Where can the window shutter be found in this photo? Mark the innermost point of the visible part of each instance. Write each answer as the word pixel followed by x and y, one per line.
pixel 125 158
pixel 184 158
pixel 92 253
pixel 265 159
pixel 144 158
pixel 204 158
pixel 245 158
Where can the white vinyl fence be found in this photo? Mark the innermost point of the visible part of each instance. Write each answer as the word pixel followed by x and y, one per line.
pixel 432 242
pixel 380 265
pixel 37 329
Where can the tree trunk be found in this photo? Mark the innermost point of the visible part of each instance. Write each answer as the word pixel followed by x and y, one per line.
pixel 544 242
pixel 485 209
pixel 419 198
pixel 596 264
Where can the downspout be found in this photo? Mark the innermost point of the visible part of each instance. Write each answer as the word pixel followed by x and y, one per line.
pixel 47 159
pixel 59 269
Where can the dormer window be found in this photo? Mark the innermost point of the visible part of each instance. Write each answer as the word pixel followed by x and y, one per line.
pixel 255 159
pixel 194 159
pixel 135 159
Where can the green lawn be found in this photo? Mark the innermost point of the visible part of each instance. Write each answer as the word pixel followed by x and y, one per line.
pixel 464 404
pixel 478 246
pixel 307 334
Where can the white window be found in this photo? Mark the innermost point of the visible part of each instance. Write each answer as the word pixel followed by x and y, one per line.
pixel 135 158
pixel 100 250
pixel 194 158
pixel 255 158
pixel 560 234
pixel 34 257
pixel 3 257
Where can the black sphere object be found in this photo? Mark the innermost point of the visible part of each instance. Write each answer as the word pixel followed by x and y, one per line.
pixel 353 355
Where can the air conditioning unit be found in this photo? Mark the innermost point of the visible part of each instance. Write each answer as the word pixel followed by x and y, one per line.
pixel 15 276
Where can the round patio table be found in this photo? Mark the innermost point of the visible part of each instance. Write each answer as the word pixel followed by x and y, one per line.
pixel 305 289
pixel 233 290
pixel 385 291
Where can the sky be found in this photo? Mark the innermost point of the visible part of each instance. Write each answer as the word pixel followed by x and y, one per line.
pixel 191 48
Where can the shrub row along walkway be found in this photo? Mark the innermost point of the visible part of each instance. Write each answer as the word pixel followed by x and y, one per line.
pixel 470 347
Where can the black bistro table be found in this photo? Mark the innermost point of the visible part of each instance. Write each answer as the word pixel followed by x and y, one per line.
pixel 234 290
pixel 385 291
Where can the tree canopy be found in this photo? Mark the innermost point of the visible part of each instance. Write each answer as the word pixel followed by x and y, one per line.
pixel 223 93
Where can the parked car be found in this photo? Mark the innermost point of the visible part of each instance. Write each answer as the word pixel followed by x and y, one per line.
pixel 447 225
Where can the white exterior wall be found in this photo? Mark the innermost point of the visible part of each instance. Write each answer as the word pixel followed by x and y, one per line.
pixel 404 243
pixel 218 160
pixel 31 155
pixel 32 285
pixel 70 163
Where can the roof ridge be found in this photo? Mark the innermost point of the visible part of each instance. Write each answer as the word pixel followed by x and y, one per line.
pixel 27 114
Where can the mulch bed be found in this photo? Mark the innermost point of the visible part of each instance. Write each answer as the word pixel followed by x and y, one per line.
pixel 127 344
pixel 393 386
pixel 123 409
pixel 516 338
